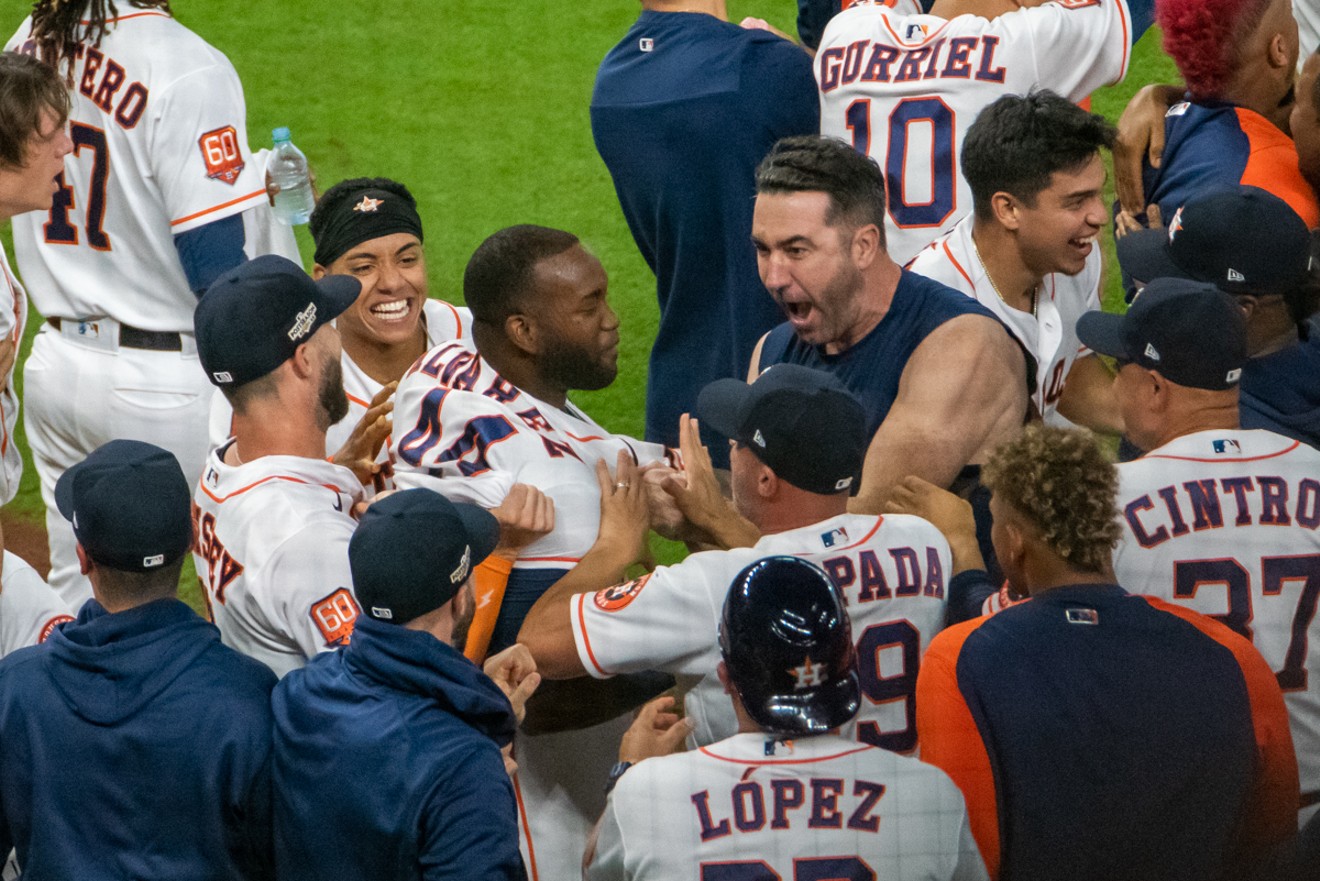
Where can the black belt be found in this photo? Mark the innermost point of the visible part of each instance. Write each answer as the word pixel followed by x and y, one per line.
pixel 136 338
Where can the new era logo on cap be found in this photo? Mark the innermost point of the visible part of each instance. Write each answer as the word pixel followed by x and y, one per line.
pixel 385 614
pixel 1151 352
pixel 1234 275
pixel 759 439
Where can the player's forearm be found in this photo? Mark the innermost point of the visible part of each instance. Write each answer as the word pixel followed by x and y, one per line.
pixel 891 458
pixel 1088 397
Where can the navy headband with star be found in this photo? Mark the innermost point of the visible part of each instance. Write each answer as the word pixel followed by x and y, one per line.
pixel 365 215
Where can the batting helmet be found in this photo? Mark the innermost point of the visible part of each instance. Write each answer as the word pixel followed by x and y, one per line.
pixel 788 647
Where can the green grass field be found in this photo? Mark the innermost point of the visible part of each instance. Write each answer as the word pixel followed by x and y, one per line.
pixel 482 110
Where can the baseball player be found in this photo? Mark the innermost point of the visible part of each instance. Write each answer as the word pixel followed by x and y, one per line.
pixel 785 796
pixel 1028 252
pixel 369 228
pixel 273 517
pixel 472 419
pixel 1216 519
pixel 1084 675
pixel 148 212
pixel 903 89
pixel 799 439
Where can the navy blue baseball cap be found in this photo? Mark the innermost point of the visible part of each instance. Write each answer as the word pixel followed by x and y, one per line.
pixel 414 550
pixel 129 504
pixel 1241 239
pixel 1193 334
pixel 255 316
pixel 801 422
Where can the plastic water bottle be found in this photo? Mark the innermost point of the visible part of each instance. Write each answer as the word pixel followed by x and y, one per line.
pixel 288 170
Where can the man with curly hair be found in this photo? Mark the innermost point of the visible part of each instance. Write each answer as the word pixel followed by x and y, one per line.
pixel 1080 724
pixel 1238 59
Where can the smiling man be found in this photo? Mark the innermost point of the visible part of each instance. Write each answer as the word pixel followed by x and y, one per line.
pixel 1028 252
pixel 941 379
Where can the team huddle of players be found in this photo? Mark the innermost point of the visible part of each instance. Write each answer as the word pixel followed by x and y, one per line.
pixel 926 629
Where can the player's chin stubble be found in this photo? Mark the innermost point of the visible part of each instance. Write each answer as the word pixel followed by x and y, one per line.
pixel 332 401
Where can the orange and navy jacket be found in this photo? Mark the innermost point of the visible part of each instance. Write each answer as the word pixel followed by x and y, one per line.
pixel 1098 735
pixel 1210 145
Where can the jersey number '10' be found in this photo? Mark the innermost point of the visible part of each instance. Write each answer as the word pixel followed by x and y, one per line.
pixel 58 230
pixel 943 157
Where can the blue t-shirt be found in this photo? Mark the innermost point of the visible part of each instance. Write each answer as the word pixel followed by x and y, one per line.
pixel 1281 391
pixel 685 108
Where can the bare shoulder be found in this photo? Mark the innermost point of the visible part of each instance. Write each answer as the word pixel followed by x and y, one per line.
pixel 967 339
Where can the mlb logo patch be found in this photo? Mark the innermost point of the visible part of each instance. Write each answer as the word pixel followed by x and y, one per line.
pixel 646 44
pixel 915 31
pixel 1226 446
pixel 834 537
pixel 1082 616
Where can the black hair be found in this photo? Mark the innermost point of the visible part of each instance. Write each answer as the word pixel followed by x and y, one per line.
pixel 1018 142
pixel 499 275
pixel 809 163
pixel 57 26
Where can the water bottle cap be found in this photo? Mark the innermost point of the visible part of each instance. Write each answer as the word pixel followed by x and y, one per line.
pixel 280 134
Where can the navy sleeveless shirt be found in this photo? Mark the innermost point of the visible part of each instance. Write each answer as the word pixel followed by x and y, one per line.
pixel 872 368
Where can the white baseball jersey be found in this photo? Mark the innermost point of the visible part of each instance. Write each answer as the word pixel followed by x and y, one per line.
pixel 890 570
pixel 1228 523
pixel 13 318
pixel 752 807
pixel 1050 336
pixel 159 130
pixel 29 609
pixel 464 431
pixel 905 88
pixel 1307 13
pixel 272 555
pixel 443 322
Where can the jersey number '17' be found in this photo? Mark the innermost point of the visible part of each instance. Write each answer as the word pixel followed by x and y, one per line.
pixel 58 230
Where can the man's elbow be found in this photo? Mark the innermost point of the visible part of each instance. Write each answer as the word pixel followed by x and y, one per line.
pixel 552 648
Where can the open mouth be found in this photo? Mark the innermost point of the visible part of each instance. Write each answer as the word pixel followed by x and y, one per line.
pixel 393 310
pixel 797 311
pixel 1083 244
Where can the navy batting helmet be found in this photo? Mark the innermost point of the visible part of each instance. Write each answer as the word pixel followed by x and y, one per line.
pixel 788 647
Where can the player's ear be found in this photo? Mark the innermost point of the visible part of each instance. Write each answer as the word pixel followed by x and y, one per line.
pixel 723 672
pixel 1278 52
pixel 866 245
pixel 1248 303
pixel 1004 209
pixel 522 332
pixel 318 272
pixel 767 482
pixel 84 561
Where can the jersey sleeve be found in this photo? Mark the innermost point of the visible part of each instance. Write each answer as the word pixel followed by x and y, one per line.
pixel 664 620
pixel 29 608
pixel 949 739
pixel 311 587
pixel 199 153
pixel 1076 46
pixel 789 99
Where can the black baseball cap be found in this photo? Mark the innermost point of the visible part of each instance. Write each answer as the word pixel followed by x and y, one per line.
pixel 1241 239
pixel 1193 334
pixel 413 551
pixel 129 504
pixel 801 422
pixel 255 316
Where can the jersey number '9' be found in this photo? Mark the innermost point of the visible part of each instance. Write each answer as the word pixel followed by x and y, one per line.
pixel 807 869
pixel 58 230
pixel 1191 575
pixel 943 157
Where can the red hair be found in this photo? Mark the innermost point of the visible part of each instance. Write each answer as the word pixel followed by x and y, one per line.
pixel 1203 38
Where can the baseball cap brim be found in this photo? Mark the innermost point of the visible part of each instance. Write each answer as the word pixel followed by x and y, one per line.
pixel 483 530
pixel 720 405
pixel 1144 256
pixel 1102 332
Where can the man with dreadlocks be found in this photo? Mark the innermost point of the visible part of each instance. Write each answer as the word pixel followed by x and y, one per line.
pixel 147 214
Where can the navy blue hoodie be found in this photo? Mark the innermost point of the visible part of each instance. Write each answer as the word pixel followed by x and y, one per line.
pixel 135 745
pixel 1281 391
pixel 387 764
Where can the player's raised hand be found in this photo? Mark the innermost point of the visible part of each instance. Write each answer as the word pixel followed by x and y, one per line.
pixel 525 515
pixel 949 513
pixel 698 495
pixel 359 452
pixel 657 731
pixel 624 519
pixel 1140 136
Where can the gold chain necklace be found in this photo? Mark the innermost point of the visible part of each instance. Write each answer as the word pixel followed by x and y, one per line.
pixel 1035 292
